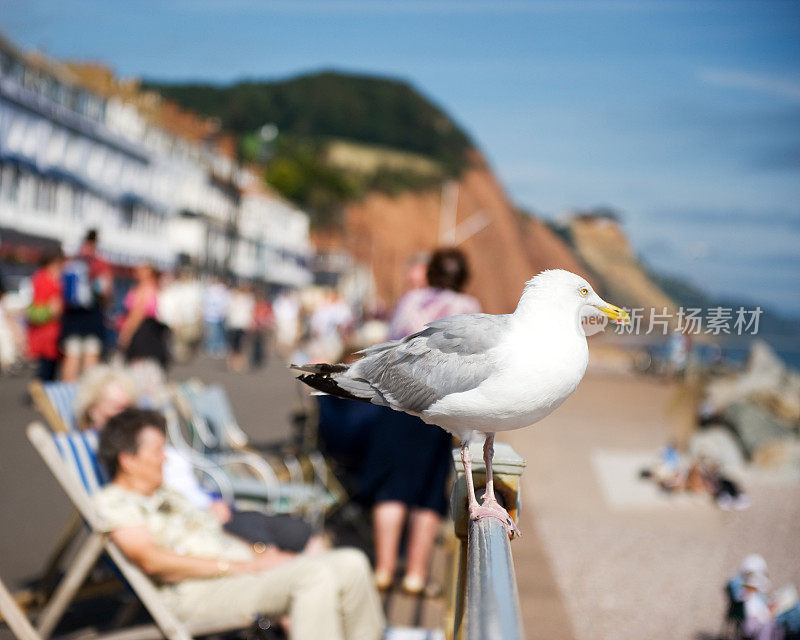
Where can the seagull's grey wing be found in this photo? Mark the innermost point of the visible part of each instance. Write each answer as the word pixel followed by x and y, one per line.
pixel 448 356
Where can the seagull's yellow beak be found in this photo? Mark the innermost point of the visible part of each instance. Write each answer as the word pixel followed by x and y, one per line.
pixel 620 316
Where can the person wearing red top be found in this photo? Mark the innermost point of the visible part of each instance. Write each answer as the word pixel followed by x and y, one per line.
pixel 44 315
pixel 263 323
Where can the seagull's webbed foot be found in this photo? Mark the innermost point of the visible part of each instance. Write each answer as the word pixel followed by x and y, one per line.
pixel 492 509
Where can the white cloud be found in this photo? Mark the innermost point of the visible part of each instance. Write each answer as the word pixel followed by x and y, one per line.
pixel 783 87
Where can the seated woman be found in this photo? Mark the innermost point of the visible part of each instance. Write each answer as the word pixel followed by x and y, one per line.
pixel 762 617
pixel 207 574
pixel 105 391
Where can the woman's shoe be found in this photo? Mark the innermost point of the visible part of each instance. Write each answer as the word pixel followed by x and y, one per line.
pixel 383 580
pixel 413 585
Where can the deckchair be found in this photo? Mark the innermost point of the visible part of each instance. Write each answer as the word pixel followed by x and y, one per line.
pixel 241 477
pixel 56 402
pixel 70 458
pixel 210 407
pixel 14 617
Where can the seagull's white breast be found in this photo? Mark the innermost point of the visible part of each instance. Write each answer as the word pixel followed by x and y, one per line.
pixel 534 370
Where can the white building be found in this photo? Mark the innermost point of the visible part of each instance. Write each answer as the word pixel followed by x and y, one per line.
pixel 72 159
pixel 273 243
pixel 63 171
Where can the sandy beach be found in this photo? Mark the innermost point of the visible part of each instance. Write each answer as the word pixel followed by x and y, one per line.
pixel 628 561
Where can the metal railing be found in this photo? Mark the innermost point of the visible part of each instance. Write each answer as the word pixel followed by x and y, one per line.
pixel 484 591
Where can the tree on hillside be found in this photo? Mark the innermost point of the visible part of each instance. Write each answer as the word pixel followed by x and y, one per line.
pixel 367 109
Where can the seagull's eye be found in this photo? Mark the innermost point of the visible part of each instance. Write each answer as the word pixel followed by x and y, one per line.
pixel 584 292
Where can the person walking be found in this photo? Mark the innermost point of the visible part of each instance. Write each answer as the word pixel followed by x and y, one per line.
pixel 263 324
pixel 408 461
pixel 87 289
pixel 139 336
pixel 239 321
pixel 215 306
pixel 44 315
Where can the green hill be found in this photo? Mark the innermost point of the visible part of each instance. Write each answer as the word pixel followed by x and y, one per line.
pixel 373 110
pixel 339 135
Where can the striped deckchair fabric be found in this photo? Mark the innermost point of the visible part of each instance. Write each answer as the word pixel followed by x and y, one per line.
pixel 56 402
pixel 78 450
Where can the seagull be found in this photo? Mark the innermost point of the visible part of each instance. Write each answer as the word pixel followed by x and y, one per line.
pixel 478 373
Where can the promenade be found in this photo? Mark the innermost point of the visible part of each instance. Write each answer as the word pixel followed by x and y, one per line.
pixel 598 558
pixel 35 509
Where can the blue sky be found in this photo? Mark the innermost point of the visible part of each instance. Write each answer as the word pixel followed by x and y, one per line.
pixel 685 116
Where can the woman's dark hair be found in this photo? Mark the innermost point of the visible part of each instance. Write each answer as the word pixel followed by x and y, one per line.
pixel 121 435
pixel 448 269
pixel 50 256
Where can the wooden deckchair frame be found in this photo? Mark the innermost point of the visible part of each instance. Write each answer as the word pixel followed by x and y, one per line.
pixel 46 407
pixel 51 414
pixel 166 623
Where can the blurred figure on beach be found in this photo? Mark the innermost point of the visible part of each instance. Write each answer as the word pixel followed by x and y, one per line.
pixel 286 309
pixel 761 615
pixel 676 473
pixel 679 348
pixel 44 315
pixel 180 307
pixel 411 459
pixel 261 335
pixel 12 340
pixel 143 338
pixel 416 274
pixel 447 275
pixel 239 317
pixel 205 573
pixel 215 306
pixel 330 320
pixel 87 290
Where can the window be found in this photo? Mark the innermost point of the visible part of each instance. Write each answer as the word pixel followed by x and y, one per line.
pixel 81 102
pixel 127 210
pixel 62 94
pixel 9 182
pixel 45 195
pixel 78 201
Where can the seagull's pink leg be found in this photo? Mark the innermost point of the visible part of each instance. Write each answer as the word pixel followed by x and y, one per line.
pixel 490 508
pixel 466 458
pixel 488 456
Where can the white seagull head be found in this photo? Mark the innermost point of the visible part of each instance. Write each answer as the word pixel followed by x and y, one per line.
pixel 567 291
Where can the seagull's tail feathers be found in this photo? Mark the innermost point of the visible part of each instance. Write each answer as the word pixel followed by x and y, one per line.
pixel 332 380
pixel 322 368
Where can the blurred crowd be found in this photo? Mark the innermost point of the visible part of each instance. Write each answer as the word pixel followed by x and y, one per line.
pixel 78 310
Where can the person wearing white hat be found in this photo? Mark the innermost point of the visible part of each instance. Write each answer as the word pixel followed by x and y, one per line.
pixel 750 587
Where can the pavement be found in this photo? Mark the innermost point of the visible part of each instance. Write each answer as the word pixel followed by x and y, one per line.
pixel 628 566
pixel 598 559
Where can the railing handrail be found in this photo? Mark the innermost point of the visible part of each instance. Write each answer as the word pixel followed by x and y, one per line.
pixel 486 589
pixel 492 601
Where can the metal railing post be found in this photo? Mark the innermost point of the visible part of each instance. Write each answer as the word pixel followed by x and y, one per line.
pixel 483 588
